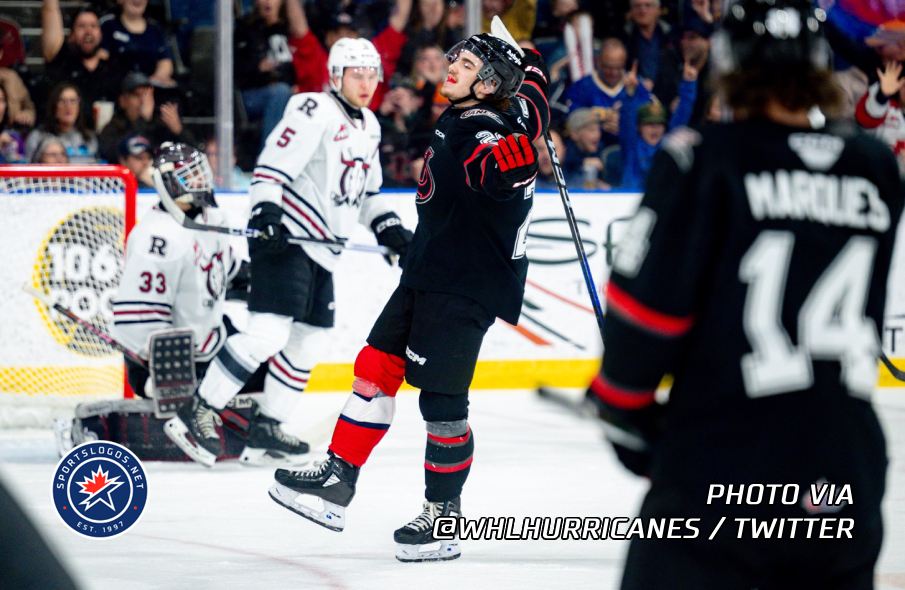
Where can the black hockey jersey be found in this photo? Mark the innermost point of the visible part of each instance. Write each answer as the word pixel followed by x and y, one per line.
pixel 755 272
pixel 472 229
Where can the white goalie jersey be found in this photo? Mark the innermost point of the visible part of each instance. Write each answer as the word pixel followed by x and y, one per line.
pixel 174 278
pixel 323 168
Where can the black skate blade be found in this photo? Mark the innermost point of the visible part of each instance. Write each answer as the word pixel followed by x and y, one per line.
pixel 275 496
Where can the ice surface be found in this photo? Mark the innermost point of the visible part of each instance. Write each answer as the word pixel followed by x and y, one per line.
pixel 218 529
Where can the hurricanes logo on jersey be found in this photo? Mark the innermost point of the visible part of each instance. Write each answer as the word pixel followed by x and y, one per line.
pixel 100 489
pixel 352 182
pixel 426 182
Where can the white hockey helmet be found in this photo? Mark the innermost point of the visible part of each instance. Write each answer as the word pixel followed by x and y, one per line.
pixel 352 53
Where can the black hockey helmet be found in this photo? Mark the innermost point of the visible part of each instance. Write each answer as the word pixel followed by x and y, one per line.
pixel 771 35
pixel 502 64
pixel 185 174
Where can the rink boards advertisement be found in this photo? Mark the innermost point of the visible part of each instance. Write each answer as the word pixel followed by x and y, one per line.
pixel 70 248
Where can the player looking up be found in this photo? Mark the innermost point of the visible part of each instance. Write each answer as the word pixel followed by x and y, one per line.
pixel 755 273
pixel 318 175
pixel 465 267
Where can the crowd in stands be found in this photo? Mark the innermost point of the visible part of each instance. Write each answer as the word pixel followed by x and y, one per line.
pixel 624 73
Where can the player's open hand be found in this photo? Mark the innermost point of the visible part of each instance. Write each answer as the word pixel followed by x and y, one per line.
pixel 517 160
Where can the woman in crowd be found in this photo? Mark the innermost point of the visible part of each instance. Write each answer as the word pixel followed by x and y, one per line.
pixel 12 150
pixel 65 121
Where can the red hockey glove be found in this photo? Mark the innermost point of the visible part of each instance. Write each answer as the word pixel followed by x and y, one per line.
pixel 517 160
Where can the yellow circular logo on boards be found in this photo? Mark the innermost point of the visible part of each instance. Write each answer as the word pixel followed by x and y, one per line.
pixel 79 265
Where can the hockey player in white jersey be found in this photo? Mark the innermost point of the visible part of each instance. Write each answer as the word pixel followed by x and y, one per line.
pixel 174 277
pixel 318 175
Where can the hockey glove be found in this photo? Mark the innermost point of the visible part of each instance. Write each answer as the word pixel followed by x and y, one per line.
pixel 536 68
pixel 632 433
pixel 390 232
pixel 266 217
pixel 517 160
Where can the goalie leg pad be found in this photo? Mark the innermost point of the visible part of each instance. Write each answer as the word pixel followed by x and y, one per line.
pixel 265 335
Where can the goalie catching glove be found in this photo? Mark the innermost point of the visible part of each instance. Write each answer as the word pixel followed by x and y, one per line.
pixel 267 218
pixel 517 160
pixel 390 232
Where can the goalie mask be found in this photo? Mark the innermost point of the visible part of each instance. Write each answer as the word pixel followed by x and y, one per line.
pixel 501 72
pixel 352 53
pixel 771 35
pixel 184 173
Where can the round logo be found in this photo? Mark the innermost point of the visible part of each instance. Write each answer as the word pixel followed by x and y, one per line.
pixel 100 489
pixel 80 265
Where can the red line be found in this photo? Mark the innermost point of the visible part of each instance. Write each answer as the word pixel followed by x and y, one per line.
pixel 560 297
pixel 453 469
pixel 529 334
pixel 450 440
pixel 302 213
pixel 274 362
pixel 208 341
pixel 277 180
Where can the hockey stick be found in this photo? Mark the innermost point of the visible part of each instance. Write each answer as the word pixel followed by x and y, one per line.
pixel 896 372
pixel 49 302
pixel 244 232
pixel 499 30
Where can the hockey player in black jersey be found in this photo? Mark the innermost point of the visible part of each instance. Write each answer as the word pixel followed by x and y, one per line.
pixel 755 273
pixel 465 267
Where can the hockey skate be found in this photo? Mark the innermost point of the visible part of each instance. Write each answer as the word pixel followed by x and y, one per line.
pixel 416 540
pixel 194 430
pixel 320 494
pixel 267 444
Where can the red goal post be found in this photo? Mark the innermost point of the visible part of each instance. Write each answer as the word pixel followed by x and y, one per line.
pixel 66 232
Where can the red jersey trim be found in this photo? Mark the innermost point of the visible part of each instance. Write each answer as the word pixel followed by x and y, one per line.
pixel 644 317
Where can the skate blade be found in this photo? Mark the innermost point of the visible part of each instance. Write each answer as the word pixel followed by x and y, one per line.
pixel 176 431
pixel 266 458
pixel 331 517
pixel 446 551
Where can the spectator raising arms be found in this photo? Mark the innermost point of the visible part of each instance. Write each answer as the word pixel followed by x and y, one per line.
pixel 80 59
pixel 65 121
pixel 880 109
pixel 138 44
pixel 19 107
pixel 606 90
pixel 644 124
pixel 263 59
pixel 647 35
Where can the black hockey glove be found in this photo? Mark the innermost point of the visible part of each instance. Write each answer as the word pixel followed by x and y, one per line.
pixel 633 433
pixel 390 232
pixel 266 217
pixel 535 68
pixel 517 160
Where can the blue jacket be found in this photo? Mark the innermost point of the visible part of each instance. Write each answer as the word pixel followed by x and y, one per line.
pixel 636 153
pixel 590 92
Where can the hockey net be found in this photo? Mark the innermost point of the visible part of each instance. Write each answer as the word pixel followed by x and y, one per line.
pixel 65 234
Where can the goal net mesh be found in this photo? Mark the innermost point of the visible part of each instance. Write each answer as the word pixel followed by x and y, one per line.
pixel 65 232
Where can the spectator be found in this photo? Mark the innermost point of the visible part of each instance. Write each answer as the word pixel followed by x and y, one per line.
pixel 80 59
pixel 879 111
pixel 264 68
pixel 517 15
pixel 404 133
pixel 12 150
pixel 136 114
pixel 50 150
pixel 240 180
pixel 647 35
pixel 19 107
pixel 643 125
pixel 135 154
pixel 694 48
pixel 390 43
pixel 138 44
pixel 431 24
pixel 65 120
pixel 583 166
pixel 429 72
pixel 546 179
pixel 605 90
pixel 308 55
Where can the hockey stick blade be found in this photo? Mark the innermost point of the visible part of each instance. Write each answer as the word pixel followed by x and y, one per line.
pixel 894 370
pixel 185 221
pixel 498 29
pixel 49 302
